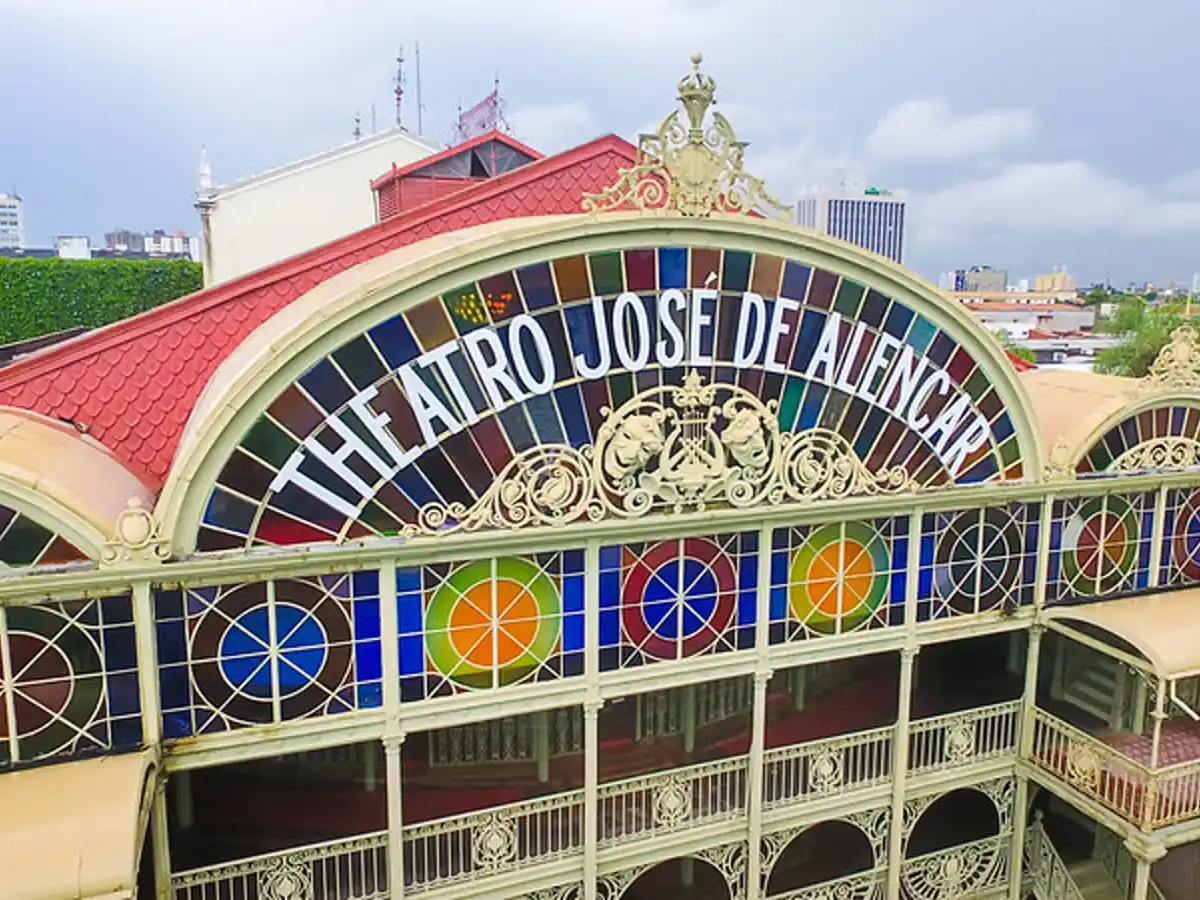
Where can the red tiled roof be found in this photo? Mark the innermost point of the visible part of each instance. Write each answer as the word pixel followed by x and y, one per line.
pixel 134 384
pixel 498 136
pixel 1021 365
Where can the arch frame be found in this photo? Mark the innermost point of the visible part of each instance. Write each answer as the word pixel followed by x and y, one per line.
pixel 1151 400
pixel 288 344
pixel 863 822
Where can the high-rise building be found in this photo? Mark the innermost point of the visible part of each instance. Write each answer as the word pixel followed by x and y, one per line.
pixel 1057 281
pixel 867 216
pixel 12 221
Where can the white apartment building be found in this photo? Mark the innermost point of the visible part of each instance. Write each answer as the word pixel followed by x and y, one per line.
pixel 259 220
pixel 866 216
pixel 12 221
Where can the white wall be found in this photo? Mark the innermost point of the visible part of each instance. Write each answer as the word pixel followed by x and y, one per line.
pixel 281 213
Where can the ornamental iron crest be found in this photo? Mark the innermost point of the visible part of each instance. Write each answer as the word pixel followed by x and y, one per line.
pixel 674 448
pixel 1159 453
pixel 1178 363
pixel 695 171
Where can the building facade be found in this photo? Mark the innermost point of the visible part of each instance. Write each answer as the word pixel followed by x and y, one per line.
pixel 618 545
pixel 12 221
pixel 251 223
pixel 865 216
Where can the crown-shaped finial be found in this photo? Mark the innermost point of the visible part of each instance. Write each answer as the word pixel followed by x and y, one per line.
pixel 696 92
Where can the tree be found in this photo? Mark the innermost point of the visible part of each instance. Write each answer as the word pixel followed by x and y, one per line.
pixel 1006 341
pixel 1144 331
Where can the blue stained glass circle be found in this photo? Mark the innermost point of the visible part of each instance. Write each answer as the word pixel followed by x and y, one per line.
pixel 245 650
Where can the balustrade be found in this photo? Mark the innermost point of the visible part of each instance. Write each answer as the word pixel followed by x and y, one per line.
pixel 348 869
pixel 958 871
pixel 961 738
pixel 827 767
pixel 496 840
pixel 1045 867
pixel 669 801
pixel 859 886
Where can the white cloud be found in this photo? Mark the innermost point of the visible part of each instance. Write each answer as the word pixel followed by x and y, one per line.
pixel 928 131
pixel 552 127
pixel 1054 198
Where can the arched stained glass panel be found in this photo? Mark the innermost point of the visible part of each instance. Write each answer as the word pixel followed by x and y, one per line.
pixel 409 425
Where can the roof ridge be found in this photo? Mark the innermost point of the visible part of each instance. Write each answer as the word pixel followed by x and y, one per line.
pixel 449 152
pixel 117 333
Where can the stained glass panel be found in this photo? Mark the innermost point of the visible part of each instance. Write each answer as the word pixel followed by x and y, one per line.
pixel 675 599
pixel 23 542
pixel 1100 546
pixel 837 578
pixel 68 679
pixel 252 654
pixel 535 356
pixel 1180 563
pixel 489 623
pixel 977 560
pixel 1115 447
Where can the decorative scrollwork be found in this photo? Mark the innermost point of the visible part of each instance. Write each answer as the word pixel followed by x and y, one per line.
pixel 494 843
pixel 287 879
pixel 678 447
pixel 960 743
pixel 826 772
pixel 1083 766
pixel 687 446
pixel 546 485
pixel 1159 453
pixel 955 872
pixel 1178 363
pixel 136 538
pixel 821 465
pixel 695 171
pixel 673 803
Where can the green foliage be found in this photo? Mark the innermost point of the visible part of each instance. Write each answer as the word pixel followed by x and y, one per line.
pixel 1144 331
pixel 42 296
pixel 1006 341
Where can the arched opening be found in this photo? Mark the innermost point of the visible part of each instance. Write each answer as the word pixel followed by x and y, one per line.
pixel 959 817
pixel 684 878
pixel 824 852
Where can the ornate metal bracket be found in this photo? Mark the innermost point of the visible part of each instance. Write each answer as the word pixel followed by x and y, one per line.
pixel 674 447
pixel 136 538
pixel 695 171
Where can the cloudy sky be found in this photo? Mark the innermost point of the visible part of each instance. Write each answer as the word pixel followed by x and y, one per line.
pixel 1026 133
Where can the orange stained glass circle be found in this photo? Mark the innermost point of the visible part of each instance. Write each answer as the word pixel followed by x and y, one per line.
pixel 483 641
pixel 847 563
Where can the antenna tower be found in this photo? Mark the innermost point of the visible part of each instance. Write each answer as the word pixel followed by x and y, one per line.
pixel 400 83
pixel 420 104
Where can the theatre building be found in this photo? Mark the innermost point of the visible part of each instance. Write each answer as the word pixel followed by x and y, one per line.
pixel 586 531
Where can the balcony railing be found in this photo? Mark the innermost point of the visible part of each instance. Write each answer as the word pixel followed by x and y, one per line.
pixel 827 767
pixel 669 801
pixel 962 738
pixel 461 848
pixel 869 885
pixel 958 871
pixel 1046 868
pixel 349 869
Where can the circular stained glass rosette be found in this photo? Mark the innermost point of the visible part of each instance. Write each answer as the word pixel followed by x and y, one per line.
pixel 309 632
pixel 978 560
pixel 1099 545
pixel 1185 538
pixel 839 577
pixel 57 683
pixel 678 601
pixel 477 624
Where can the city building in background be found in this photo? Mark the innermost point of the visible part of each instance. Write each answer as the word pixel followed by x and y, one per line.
pixel 1058 280
pixel 582 535
pixel 12 221
pixel 976 278
pixel 862 215
pixel 255 221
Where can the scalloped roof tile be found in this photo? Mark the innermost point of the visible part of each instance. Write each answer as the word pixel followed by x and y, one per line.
pixel 133 384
